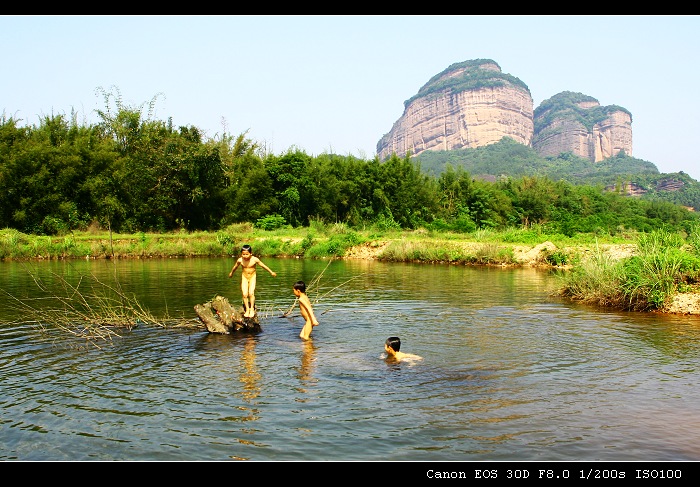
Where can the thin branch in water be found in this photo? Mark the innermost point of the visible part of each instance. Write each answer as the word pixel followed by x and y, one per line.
pixel 315 283
pixel 89 309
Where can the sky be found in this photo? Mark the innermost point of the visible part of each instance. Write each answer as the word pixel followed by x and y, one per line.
pixel 337 84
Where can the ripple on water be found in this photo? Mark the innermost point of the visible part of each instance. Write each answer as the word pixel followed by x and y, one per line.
pixel 507 374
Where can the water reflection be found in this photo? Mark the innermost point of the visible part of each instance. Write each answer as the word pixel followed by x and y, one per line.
pixel 306 367
pixel 248 373
pixel 233 357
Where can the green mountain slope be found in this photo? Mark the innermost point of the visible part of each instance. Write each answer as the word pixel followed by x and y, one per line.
pixel 508 158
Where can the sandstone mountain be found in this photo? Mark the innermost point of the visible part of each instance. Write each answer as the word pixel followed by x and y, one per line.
pixel 473 103
pixel 576 123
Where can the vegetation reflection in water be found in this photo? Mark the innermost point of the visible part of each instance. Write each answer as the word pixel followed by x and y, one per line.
pixel 509 372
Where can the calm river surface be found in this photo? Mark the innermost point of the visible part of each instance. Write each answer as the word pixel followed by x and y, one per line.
pixel 509 372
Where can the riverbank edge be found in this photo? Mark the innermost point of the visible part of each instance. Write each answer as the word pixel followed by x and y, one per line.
pixel 526 256
pixel 523 256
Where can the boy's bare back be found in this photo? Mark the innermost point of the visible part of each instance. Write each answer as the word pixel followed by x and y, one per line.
pixel 306 309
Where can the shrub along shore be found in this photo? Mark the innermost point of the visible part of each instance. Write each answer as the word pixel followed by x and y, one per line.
pixel 635 271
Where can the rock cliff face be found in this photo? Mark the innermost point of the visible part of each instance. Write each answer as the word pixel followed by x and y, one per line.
pixel 473 104
pixel 469 105
pixel 632 189
pixel 576 123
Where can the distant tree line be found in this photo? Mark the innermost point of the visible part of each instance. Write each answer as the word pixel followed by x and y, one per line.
pixel 130 173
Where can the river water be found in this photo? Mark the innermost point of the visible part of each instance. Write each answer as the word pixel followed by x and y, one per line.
pixel 509 372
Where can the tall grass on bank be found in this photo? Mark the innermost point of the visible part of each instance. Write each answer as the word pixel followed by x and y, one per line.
pixel 663 266
pixel 319 240
pixel 487 253
pixel 595 280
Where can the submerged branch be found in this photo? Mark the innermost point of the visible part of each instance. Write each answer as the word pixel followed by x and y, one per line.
pixel 315 284
pixel 90 309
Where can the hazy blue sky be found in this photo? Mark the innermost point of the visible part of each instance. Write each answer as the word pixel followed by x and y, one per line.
pixel 338 83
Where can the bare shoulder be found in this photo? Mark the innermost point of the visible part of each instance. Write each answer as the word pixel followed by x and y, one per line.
pixel 409 357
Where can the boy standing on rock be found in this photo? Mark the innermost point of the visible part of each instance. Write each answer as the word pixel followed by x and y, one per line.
pixel 248 262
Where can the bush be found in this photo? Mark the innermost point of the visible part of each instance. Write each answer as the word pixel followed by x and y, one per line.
pixel 557 258
pixel 224 239
pixel 386 222
pixel 270 222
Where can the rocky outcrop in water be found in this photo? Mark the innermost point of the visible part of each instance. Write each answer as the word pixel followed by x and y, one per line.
pixel 218 316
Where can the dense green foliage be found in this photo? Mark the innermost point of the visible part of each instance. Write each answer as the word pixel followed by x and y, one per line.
pixel 473 77
pixel 509 159
pixel 566 105
pixel 130 173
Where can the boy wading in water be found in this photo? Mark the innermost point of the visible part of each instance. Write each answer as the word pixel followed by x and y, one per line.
pixel 307 312
pixel 247 262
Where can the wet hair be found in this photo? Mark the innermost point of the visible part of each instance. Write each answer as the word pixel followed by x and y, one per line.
pixel 247 247
pixel 394 343
pixel 300 285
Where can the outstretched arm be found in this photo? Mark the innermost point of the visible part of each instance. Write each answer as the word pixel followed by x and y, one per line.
pixel 274 274
pixel 235 266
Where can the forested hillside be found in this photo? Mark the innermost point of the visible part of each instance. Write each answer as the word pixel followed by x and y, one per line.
pixel 131 173
pixel 510 159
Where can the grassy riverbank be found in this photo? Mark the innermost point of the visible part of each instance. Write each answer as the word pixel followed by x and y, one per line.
pixel 482 247
pixel 630 271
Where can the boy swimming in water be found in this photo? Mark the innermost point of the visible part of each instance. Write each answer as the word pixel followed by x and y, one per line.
pixel 392 347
